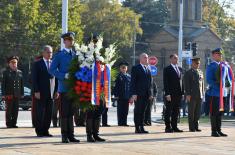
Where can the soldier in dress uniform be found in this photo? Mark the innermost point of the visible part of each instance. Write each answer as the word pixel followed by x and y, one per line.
pixel 122 93
pixel 59 68
pixel 12 90
pixel 214 93
pixel 194 91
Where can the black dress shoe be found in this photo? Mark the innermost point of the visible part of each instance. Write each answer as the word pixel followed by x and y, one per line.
pixel 98 138
pixel 9 127
pixel 14 126
pixel 143 130
pixel 47 135
pixel 222 134
pixel 105 125
pixel 137 129
pixel 40 135
pixel 167 130
pixel 65 140
pixel 90 139
pixel 72 139
pixel 215 134
pixel 177 130
pixel 198 130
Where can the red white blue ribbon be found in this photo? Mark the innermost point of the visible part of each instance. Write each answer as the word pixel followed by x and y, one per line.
pixel 101 83
pixel 226 72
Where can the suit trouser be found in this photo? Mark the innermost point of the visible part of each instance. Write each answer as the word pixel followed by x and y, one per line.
pixel 12 109
pixel 215 114
pixel 67 111
pixel 194 112
pixel 122 111
pixel 43 115
pixel 172 112
pixel 105 116
pixel 147 116
pixel 55 111
pixel 139 110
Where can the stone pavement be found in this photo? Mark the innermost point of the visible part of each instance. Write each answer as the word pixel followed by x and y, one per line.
pixel 120 141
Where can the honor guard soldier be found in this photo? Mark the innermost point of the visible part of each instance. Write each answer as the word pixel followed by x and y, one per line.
pixel 194 91
pixel 214 93
pixel 59 68
pixel 122 93
pixel 12 90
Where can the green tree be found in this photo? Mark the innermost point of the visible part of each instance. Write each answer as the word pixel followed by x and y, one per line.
pixel 218 20
pixel 117 24
pixel 27 25
pixel 154 14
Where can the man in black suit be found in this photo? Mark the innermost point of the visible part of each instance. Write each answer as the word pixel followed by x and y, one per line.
pixel 173 94
pixel 140 91
pixel 44 85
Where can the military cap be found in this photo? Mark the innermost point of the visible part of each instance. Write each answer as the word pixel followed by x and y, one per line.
pixel 217 50
pixel 123 64
pixel 9 59
pixel 195 58
pixel 68 35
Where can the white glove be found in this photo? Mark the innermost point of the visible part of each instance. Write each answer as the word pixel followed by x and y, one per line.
pixel 66 76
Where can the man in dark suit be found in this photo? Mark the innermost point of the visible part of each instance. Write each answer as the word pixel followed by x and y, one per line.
pixel 141 91
pixel 44 85
pixel 173 94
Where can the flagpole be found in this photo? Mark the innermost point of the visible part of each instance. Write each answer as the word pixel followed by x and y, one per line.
pixel 180 34
pixel 64 19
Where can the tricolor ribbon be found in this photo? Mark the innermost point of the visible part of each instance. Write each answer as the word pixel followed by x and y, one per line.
pixel 101 81
pixel 226 72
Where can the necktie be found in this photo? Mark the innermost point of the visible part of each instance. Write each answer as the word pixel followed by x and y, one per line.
pixel 145 69
pixel 177 71
pixel 70 52
pixel 48 64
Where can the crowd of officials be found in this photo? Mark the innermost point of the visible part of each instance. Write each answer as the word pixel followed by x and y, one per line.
pixel 49 97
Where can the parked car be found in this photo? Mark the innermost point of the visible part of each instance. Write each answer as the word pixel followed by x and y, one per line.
pixel 25 103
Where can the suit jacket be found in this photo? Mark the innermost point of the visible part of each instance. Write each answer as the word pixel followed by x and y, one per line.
pixel 140 81
pixel 12 83
pixel 41 79
pixel 172 82
pixel 194 83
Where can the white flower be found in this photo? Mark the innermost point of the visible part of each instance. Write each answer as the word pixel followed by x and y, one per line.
pixel 90 60
pixel 84 48
pixel 77 47
pixel 81 58
pixel 100 58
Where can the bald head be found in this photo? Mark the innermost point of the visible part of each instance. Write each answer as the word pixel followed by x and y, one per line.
pixel 143 59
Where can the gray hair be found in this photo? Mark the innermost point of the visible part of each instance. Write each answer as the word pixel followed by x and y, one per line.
pixel 46 47
pixel 142 54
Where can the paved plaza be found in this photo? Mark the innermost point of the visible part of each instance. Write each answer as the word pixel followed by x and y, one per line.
pixel 120 140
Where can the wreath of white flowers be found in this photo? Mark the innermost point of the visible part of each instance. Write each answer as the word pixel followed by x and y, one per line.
pixel 88 54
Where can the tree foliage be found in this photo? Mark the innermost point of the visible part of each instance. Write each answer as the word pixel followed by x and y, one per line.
pixel 107 17
pixel 27 25
pixel 154 14
pixel 219 21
